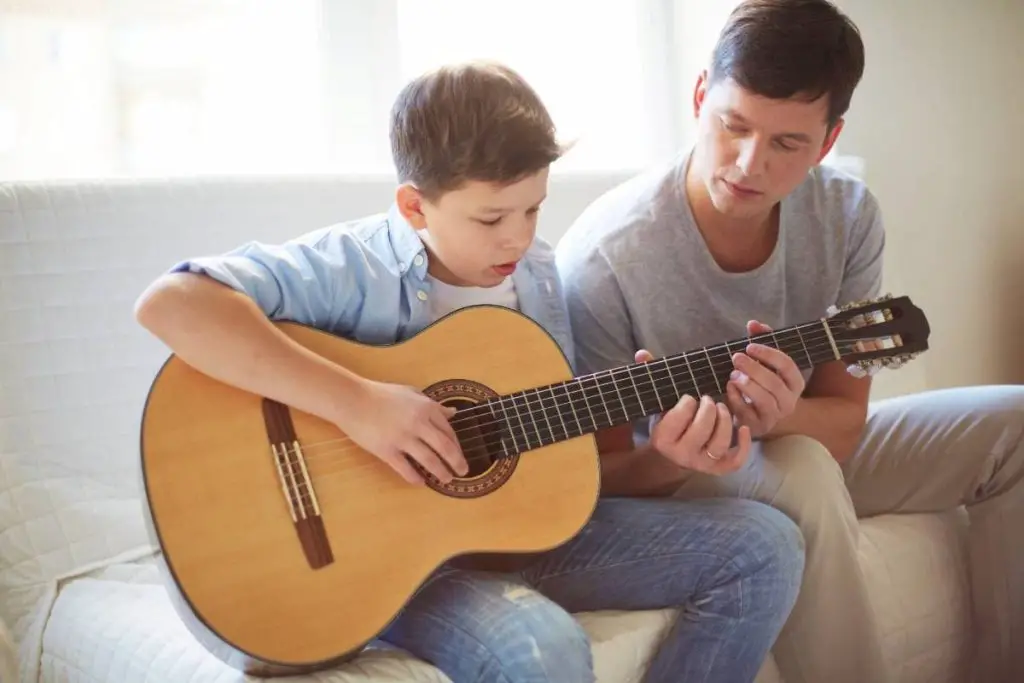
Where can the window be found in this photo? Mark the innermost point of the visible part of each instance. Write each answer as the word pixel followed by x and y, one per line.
pixel 184 87
pixel 144 89
pixel 585 64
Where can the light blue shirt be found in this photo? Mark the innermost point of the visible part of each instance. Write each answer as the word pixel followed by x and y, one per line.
pixel 366 280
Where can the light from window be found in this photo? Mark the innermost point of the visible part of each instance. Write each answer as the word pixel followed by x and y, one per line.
pixel 584 60
pixel 222 88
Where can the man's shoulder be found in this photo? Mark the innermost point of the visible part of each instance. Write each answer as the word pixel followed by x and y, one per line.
pixel 615 215
pixel 835 195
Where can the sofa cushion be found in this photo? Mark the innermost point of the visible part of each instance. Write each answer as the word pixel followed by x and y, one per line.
pixel 119 625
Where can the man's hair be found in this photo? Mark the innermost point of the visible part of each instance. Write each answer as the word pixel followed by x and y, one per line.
pixel 785 49
pixel 477 121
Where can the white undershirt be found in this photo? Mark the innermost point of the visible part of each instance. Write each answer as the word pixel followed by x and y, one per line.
pixel 445 298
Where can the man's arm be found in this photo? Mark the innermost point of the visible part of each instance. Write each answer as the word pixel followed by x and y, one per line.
pixel 832 410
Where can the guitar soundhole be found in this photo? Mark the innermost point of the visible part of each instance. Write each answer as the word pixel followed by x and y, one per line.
pixel 480 436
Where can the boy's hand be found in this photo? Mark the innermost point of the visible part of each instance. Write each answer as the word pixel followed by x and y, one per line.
pixel 396 422
pixel 771 381
pixel 697 435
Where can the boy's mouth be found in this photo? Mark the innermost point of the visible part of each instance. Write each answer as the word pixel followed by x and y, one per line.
pixel 505 268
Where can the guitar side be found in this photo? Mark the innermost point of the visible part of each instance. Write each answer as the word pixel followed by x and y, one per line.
pixel 271 596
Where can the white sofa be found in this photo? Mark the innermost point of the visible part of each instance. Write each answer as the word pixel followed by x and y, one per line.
pixel 78 586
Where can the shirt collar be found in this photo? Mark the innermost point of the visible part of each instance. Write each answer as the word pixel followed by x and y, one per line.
pixel 406 242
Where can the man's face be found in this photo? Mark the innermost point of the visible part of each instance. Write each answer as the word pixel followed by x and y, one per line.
pixel 753 151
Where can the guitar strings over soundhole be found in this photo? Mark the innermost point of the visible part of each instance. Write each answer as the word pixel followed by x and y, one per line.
pixel 480 436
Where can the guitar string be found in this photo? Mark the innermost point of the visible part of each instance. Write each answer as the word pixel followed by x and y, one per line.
pixel 532 411
pixel 304 497
pixel 664 369
pixel 292 457
pixel 772 337
pixel 331 469
pixel 532 407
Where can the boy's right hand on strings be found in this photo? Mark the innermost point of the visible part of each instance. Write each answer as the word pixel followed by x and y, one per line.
pixel 396 422
pixel 697 435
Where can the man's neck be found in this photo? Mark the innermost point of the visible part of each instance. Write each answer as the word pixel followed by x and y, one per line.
pixel 737 244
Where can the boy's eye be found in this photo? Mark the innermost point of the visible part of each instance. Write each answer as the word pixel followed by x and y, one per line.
pixel 492 221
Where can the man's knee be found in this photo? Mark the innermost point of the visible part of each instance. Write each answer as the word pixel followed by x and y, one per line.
pixel 808 485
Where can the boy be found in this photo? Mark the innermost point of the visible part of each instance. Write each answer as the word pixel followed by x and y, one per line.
pixel 744 227
pixel 472 145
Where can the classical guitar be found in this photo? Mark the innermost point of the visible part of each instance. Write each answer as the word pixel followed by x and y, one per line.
pixel 288 548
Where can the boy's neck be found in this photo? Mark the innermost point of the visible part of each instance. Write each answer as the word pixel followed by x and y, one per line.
pixel 737 244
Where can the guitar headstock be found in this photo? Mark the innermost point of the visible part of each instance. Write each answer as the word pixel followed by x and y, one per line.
pixel 879 333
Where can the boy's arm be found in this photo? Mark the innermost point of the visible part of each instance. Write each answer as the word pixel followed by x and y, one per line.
pixel 215 314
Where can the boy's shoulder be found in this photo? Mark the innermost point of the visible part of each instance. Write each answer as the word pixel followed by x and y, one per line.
pixel 382 237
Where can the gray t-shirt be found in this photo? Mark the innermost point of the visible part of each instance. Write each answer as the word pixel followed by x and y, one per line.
pixel 638 275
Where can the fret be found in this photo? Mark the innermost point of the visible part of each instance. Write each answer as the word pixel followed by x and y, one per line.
pixel 586 400
pixel 604 402
pixel 632 380
pixel 714 374
pixel 696 384
pixel 628 409
pixel 810 361
pixel 676 394
pixel 558 411
pixel 544 412
pixel 504 445
pixel 618 392
pixel 657 394
pixel 567 393
pixel 522 425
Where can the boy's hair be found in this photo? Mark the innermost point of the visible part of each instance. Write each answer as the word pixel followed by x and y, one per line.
pixel 791 48
pixel 475 121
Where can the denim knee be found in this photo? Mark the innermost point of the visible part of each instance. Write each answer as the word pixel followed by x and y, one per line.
pixel 539 643
pixel 773 549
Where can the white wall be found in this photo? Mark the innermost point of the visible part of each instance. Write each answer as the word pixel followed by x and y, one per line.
pixel 938 120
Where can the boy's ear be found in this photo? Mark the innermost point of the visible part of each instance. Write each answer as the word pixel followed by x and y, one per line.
pixel 410 204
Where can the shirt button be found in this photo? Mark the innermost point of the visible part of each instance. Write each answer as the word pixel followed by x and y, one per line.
pixel 421 295
pixel 418 261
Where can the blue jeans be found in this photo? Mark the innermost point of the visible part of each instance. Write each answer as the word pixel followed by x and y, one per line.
pixel 734 568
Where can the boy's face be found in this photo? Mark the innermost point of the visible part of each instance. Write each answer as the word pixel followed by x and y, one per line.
pixel 752 151
pixel 477 233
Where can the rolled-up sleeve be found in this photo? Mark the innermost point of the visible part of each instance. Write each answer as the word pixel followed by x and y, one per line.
pixel 303 281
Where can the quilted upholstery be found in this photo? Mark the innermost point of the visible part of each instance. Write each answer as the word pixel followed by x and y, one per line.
pixel 74 369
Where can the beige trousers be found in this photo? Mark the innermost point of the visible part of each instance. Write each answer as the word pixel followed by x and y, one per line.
pixel 921 453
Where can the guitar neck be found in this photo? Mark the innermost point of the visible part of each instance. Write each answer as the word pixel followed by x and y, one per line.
pixel 541 416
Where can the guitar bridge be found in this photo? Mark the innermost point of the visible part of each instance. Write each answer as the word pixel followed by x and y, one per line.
pixel 296 484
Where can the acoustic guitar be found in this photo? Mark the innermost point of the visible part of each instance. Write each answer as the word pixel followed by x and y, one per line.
pixel 288 548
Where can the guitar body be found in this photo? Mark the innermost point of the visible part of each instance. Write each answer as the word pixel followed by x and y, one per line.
pixel 280 581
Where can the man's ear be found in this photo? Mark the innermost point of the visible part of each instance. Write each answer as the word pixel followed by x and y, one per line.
pixel 830 139
pixel 700 90
pixel 410 205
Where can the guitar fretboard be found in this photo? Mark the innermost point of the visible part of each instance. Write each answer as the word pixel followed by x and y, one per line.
pixel 556 412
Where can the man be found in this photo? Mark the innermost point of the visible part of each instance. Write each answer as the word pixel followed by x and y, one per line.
pixel 746 230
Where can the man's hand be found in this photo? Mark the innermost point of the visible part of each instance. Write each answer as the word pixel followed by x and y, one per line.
pixel 697 435
pixel 765 385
